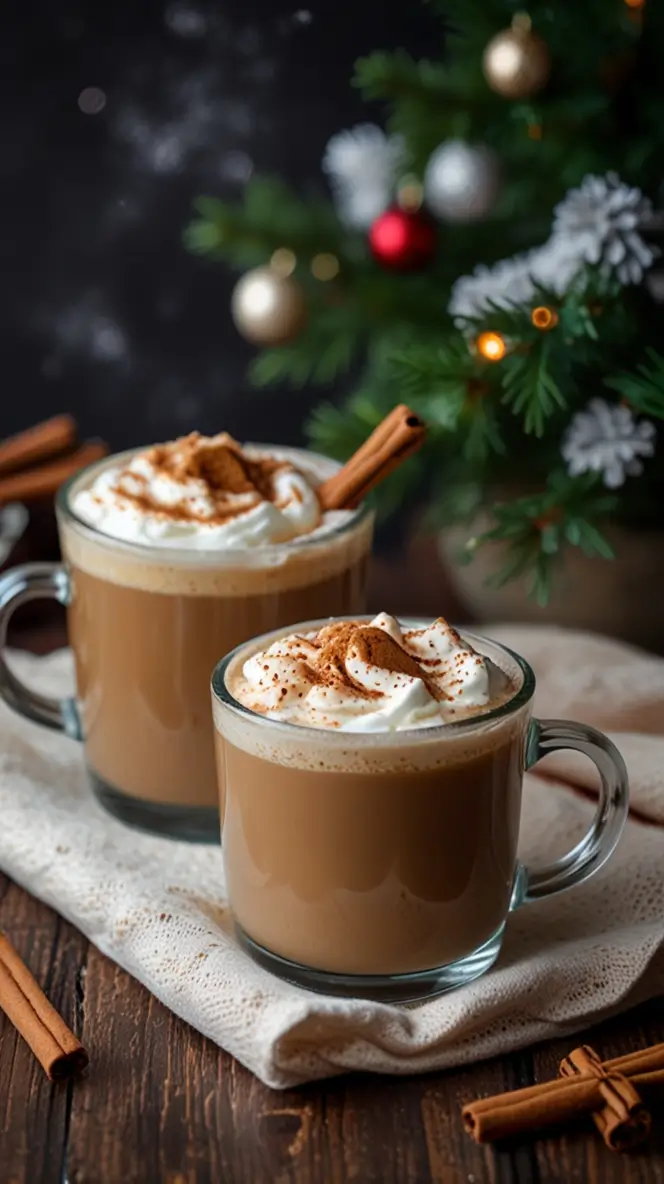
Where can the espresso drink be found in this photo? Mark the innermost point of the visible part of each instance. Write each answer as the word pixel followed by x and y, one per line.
pixel 177 554
pixel 378 835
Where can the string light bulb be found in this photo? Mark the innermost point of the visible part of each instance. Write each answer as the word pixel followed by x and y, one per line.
pixel 544 318
pixel 324 267
pixel 410 194
pixel 283 262
pixel 491 346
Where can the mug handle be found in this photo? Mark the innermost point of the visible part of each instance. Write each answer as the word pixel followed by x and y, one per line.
pixel 598 843
pixel 33 581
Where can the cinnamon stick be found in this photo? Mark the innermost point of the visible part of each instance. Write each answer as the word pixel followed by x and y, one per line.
pixel 554 1102
pixel 46 479
pixel 40 1025
pixel 622 1120
pixel 38 443
pixel 395 439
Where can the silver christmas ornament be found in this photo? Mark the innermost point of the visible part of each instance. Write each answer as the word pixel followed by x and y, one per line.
pixel 461 181
pixel 268 308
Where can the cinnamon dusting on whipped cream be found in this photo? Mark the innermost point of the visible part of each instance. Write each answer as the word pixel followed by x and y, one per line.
pixel 204 492
pixel 234 482
pixel 368 644
pixel 367 676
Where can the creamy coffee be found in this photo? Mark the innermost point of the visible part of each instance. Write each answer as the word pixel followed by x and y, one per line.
pixel 372 795
pixel 177 554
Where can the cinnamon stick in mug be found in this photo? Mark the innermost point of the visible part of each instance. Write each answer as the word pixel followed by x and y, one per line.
pixel 26 1006
pixel 395 439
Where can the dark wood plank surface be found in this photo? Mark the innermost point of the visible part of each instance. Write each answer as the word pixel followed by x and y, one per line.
pixel 159 1103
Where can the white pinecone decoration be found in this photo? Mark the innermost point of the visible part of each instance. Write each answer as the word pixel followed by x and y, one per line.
pixel 508 284
pixel 362 165
pixel 607 439
pixel 598 223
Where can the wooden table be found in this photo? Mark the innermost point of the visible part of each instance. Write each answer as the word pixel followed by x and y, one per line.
pixel 162 1105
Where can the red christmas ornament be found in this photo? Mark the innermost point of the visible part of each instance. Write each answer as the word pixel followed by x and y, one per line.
pixel 403 240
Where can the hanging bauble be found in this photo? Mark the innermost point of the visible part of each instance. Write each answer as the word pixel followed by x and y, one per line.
pixel 268 308
pixel 403 240
pixel 516 61
pixel 461 181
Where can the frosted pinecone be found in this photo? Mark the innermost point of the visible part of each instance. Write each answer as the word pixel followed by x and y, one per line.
pixel 607 439
pixel 598 223
pixel 362 165
pixel 507 284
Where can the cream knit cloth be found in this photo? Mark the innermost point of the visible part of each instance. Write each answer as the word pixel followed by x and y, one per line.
pixel 158 907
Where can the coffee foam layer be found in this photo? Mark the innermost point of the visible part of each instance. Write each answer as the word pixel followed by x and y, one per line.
pixel 342 539
pixel 440 748
pixel 320 750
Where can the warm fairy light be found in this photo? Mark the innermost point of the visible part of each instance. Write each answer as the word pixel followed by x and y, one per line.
pixel 535 131
pixel 544 318
pixel 410 194
pixel 521 22
pixel 283 261
pixel 491 346
pixel 324 267
pixel 635 3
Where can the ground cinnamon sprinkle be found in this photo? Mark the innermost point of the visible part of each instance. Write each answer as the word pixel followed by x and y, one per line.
pixel 235 482
pixel 333 642
pixel 366 643
pixel 375 647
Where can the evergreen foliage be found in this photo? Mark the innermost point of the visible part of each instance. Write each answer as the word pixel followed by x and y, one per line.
pixel 495 425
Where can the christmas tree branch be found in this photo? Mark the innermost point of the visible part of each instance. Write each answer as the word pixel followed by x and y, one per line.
pixel 270 217
pixel 535 530
pixel 643 390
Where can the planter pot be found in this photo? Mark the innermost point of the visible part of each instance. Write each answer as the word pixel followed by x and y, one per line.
pixel 622 598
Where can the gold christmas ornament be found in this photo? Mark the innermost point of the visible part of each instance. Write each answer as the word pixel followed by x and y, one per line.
pixel 268 308
pixel 516 61
pixel 492 346
pixel 324 267
pixel 544 318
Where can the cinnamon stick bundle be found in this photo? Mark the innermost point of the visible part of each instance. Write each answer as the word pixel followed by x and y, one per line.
pixel 622 1120
pixel 44 480
pixel 558 1101
pixel 399 435
pixel 37 444
pixel 57 1049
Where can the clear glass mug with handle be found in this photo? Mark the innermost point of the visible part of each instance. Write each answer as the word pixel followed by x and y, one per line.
pixel 385 864
pixel 146 625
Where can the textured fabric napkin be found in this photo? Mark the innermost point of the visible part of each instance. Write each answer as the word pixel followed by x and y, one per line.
pixel 158 907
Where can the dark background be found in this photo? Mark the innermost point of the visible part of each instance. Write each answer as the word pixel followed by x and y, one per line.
pixel 106 315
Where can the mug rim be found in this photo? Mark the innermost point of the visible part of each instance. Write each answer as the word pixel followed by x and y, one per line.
pixel 187 554
pixel 523 694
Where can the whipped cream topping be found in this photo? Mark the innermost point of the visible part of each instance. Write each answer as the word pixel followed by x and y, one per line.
pixel 375 677
pixel 202 492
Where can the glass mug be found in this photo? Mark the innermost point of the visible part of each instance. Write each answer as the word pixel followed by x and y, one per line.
pixel 146 625
pixel 384 865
